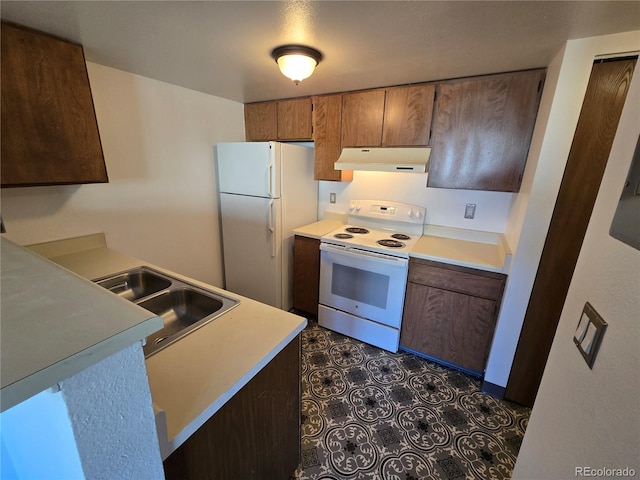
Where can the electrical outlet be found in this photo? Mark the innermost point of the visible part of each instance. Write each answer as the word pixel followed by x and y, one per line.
pixel 470 210
pixel 332 198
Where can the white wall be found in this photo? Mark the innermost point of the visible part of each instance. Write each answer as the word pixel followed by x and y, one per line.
pixel 528 223
pixel 590 418
pixel 444 206
pixel 161 203
pixel 37 439
pixel 99 425
pixel 113 420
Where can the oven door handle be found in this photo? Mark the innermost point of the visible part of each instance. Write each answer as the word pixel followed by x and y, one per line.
pixel 357 253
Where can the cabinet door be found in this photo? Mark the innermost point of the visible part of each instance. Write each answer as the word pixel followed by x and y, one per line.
pixel 327 111
pixel 482 129
pixel 407 115
pixel 256 434
pixel 306 274
pixel 362 117
pixel 451 326
pixel 261 121
pixel 49 128
pixel 294 119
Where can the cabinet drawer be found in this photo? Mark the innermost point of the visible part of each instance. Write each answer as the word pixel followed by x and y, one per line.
pixel 457 279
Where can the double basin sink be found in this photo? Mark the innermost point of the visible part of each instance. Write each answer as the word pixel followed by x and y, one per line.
pixel 182 306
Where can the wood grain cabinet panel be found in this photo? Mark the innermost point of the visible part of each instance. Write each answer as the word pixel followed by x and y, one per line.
pixel 284 120
pixel 482 129
pixel 362 118
pixel 407 115
pixel 327 122
pixel 294 119
pixel 450 313
pixel 306 274
pixel 261 121
pixel 255 435
pixel 49 128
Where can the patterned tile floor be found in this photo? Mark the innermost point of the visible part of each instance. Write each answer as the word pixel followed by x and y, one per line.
pixel 371 414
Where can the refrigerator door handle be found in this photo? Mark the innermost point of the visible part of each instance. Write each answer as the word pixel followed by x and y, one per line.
pixel 272 229
pixel 271 179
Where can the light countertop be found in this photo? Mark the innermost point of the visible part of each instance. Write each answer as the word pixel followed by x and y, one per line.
pixel 194 377
pixel 468 248
pixel 56 324
pixel 318 229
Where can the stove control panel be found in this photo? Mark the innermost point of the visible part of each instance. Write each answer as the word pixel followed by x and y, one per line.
pixel 385 210
pixel 392 211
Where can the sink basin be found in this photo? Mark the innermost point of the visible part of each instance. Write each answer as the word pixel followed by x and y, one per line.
pixel 135 284
pixel 179 309
pixel 183 307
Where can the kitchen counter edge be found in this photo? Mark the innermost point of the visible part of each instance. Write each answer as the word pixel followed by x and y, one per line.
pixel 223 355
pixel 487 251
pixel 29 284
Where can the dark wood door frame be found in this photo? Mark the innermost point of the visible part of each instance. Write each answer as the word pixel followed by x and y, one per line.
pixel 597 125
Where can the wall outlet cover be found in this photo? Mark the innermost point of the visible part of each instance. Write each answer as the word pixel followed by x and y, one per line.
pixel 470 210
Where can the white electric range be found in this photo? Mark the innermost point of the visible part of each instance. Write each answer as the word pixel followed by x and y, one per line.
pixel 363 271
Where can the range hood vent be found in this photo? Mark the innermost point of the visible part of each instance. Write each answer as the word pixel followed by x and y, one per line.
pixel 413 159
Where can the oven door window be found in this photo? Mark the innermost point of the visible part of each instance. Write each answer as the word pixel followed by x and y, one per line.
pixel 360 285
pixel 364 285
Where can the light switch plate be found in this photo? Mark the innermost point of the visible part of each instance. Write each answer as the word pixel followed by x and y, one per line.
pixel 589 333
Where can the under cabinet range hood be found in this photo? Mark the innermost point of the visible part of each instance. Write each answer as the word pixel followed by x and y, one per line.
pixel 411 159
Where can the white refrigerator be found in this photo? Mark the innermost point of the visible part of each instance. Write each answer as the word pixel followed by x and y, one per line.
pixel 266 190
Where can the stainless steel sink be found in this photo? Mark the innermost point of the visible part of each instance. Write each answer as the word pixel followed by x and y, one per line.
pixel 183 307
pixel 135 284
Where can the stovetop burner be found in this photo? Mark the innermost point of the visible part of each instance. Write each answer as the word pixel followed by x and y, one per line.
pixel 400 236
pixel 387 242
pixel 377 226
pixel 358 230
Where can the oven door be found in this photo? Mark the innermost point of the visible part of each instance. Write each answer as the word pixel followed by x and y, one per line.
pixel 365 284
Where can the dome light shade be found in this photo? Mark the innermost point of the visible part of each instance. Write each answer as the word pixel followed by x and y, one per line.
pixel 296 61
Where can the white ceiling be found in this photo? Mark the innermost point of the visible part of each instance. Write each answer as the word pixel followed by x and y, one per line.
pixel 223 47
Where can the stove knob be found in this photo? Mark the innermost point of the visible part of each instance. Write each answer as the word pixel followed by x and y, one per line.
pixel 412 213
pixel 419 214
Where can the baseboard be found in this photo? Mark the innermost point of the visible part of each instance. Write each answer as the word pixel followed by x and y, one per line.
pixel 492 389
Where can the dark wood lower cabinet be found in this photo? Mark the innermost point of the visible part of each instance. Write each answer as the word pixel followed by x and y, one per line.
pixel 450 312
pixel 255 435
pixel 306 274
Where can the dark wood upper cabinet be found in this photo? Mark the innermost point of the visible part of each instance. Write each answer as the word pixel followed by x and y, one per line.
pixel 327 115
pixel 482 129
pixel 391 117
pixel 278 120
pixel 479 128
pixel 294 119
pixel 362 118
pixel 49 128
pixel 261 121
pixel 407 115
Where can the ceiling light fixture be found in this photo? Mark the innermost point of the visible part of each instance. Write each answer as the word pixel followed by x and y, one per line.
pixel 296 61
